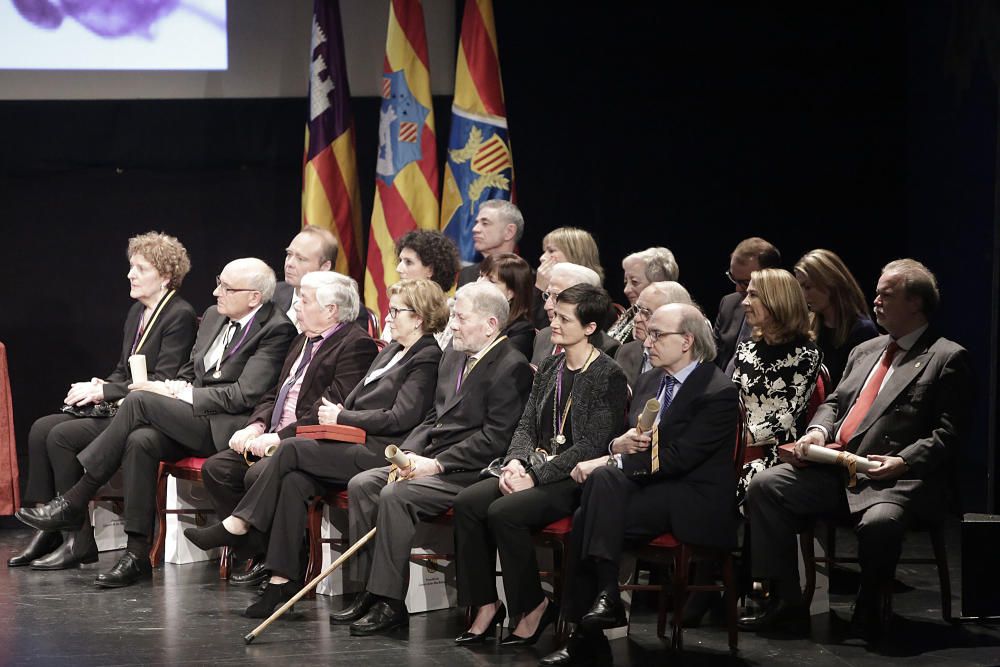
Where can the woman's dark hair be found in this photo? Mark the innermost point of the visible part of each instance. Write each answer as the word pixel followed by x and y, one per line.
pixel 515 273
pixel 436 251
pixel 592 304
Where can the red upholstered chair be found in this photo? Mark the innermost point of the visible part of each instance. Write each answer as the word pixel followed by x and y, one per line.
pixel 190 469
pixel 314 532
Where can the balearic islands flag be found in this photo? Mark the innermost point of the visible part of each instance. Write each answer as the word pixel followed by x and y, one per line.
pixel 330 193
pixel 406 173
pixel 479 164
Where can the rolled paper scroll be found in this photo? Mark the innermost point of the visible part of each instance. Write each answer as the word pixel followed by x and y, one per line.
pixel 397 457
pixel 839 457
pixel 648 415
pixel 270 449
pixel 137 364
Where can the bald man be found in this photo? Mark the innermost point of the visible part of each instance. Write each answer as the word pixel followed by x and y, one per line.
pixel 632 356
pixel 236 359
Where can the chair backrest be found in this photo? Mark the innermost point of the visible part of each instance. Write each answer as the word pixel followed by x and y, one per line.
pixel 819 392
pixel 741 438
pixel 374 327
pixel 620 309
pixel 380 344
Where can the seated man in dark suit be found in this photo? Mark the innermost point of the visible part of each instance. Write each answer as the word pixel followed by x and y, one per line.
pixel 632 356
pixel 677 479
pixel 567 274
pixel 329 356
pixel 731 328
pixel 483 383
pixel 236 358
pixel 902 403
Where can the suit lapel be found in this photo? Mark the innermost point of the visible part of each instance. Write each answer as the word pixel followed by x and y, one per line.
pixel 690 389
pixel 476 375
pixel 914 363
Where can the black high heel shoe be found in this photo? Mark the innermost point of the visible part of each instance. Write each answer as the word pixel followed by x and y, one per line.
pixel 467 638
pixel 549 616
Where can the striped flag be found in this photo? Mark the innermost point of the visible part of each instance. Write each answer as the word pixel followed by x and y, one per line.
pixel 406 173
pixel 480 165
pixel 330 193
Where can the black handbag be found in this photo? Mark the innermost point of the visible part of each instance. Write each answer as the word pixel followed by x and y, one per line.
pixel 104 409
pixel 495 468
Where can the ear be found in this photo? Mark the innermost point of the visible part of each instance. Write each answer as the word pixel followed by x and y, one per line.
pixel 590 329
pixel 326 266
pixel 509 232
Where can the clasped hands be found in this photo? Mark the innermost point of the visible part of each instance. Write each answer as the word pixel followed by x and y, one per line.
pixel 82 393
pixel 514 477
pixel 253 439
pixel 890 467
pixel 179 389
pixel 420 466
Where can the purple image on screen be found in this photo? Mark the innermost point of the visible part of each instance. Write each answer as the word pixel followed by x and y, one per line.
pixel 107 18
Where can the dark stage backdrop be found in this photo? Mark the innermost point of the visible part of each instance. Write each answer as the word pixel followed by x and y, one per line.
pixel 869 130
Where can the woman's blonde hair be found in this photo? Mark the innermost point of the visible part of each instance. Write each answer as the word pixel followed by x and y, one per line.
pixel 167 255
pixel 826 271
pixel 578 246
pixel 780 293
pixel 426 298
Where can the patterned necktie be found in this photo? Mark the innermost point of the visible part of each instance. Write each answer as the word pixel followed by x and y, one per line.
pixel 867 396
pixel 667 385
pixel 470 363
pixel 279 402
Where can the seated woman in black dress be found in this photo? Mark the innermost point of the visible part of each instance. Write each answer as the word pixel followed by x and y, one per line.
pixel 576 406
pixel 839 316
pixel 776 369
pixel 392 399
pixel 160 326
pixel 513 276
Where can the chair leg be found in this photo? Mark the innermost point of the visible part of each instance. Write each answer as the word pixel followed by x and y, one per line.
pixel 806 544
pixel 662 606
pixel 941 556
pixel 730 595
pixel 559 578
pixel 159 544
pixel 224 563
pixel 682 565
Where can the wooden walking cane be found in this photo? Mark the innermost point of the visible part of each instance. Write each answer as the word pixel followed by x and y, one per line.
pixel 311 585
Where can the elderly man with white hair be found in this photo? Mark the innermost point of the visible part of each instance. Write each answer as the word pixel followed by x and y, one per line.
pixel 563 276
pixel 632 356
pixel 236 358
pixel 483 383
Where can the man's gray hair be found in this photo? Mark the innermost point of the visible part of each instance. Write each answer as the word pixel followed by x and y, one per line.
pixel 670 291
pixel 510 214
pixel 576 273
pixel 261 278
pixel 918 281
pixel 486 299
pixel 335 289
pixel 694 322
pixel 660 263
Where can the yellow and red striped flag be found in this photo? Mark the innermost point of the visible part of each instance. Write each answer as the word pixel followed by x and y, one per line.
pixel 330 193
pixel 480 165
pixel 406 173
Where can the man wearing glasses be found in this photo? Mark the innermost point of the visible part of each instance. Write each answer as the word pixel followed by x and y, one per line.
pixel 236 358
pixel 678 477
pixel 731 328
pixel 632 356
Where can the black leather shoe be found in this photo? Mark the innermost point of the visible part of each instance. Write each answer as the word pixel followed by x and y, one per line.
pixel 606 612
pixel 256 575
pixel 57 514
pixel 42 542
pixel 383 616
pixel 467 638
pixel 549 616
pixel 78 547
pixel 778 616
pixel 274 596
pixel 128 570
pixel 583 648
pixel 362 603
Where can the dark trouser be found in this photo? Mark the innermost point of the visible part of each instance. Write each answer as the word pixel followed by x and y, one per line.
pixel 227 477
pixel 486 520
pixel 783 500
pixel 148 428
pixel 53 443
pixel 277 500
pixel 613 509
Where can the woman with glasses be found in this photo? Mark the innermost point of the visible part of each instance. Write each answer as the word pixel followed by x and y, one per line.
pixel 776 369
pixel 642 268
pixel 512 275
pixel 161 326
pixel 392 399
pixel 838 314
pixel 576 406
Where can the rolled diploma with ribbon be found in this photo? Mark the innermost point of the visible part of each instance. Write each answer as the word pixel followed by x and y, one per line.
pixel 825 455
pixel 270 449
pixel 137 364
pixel 648 415
pixel 396 456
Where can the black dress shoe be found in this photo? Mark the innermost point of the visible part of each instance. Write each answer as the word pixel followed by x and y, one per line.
pixel 778 616
pixel 606 612
pixel 866 620
pixel 362 603
pixel 57 514
pixel 256 575
pixel 42 542
pixel 549 616
pixel 128 570
pixel 76 548
pixel 214 536
pixel 467 638
pixel 583 648
pixel 274 596
pixel 383 616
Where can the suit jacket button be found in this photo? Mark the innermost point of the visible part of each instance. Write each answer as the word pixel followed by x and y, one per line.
pixel 438 425
pixel 885 439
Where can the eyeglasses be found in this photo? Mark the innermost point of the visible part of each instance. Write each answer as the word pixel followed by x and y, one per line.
pixel 733 280
pixel 394 312
pixel 656 335
pixel 550 295
pixel 643 312
pixel 230 290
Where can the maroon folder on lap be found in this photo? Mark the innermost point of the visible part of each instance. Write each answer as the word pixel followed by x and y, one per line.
pixel 337 432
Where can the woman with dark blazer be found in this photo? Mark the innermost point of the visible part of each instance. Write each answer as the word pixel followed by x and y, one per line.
pixel 512 276
pixel 161 326
pixel 576 406
pixel 393 398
